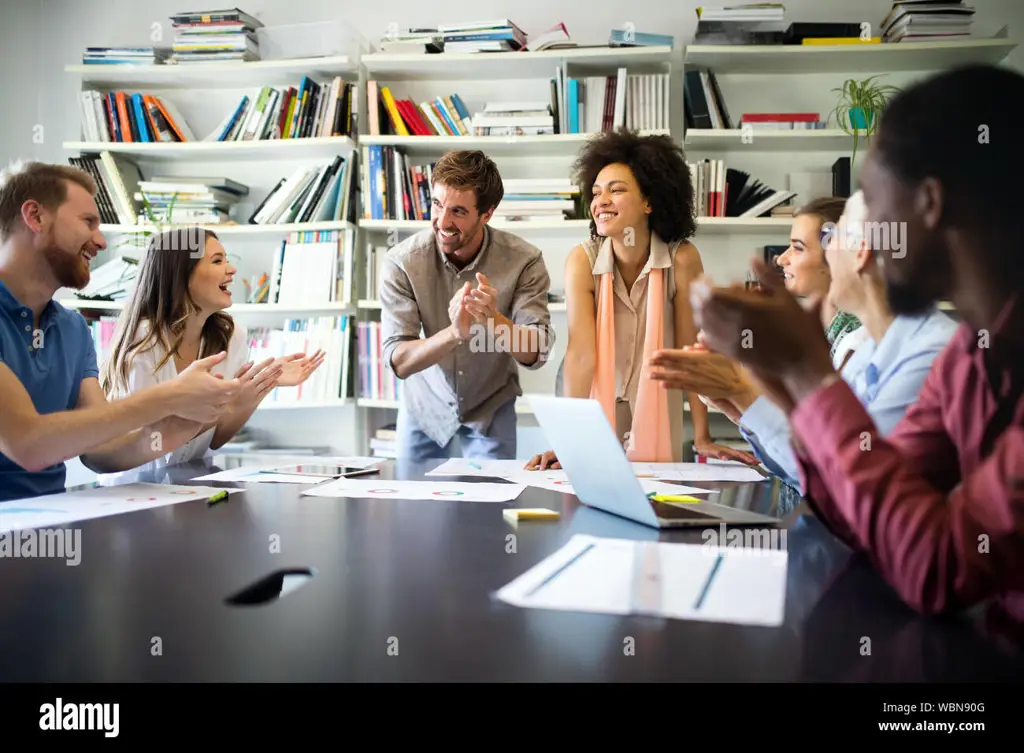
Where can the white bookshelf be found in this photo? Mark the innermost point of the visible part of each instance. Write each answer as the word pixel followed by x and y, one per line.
pixel 522 156
pixel 204 94
pixel 237 309
pixel 580 228
pixel 509 65
pixel 238 229
pixel 735 139
pixel 852 59
pixel 223 151
pixel 560 144
pixel 226 75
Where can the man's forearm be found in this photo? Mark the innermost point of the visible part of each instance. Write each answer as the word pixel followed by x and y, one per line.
pixel 142 445
pixel 525 344
pixel 58 437
pixel 413 356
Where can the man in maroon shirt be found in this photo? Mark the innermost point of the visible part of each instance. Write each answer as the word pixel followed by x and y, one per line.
pixel 938 505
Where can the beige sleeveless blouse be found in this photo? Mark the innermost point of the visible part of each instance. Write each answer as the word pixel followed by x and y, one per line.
pixel 630 330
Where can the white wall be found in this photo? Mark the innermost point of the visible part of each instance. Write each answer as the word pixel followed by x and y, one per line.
pixel 38 39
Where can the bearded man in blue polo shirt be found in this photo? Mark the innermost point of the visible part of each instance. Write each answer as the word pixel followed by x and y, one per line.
pixel 53 408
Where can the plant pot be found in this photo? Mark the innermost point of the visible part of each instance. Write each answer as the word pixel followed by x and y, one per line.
pixel 860 119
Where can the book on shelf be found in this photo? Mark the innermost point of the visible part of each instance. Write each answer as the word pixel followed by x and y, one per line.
pixel 123 116
pixel 189 200
pixel 376 381
pixel 703 103
pixel 312 268
pixel 500 35
pixel 926 21
pixel 394 189
pixel 214 36
pixel 313 110
pixel 555 38
pixel 141 56
pixel 632 38
pixel 332 334
pixel 412 41
pixel 117 181
pixel 754 23
pixel 821 32
pixel 324 193
pixel 726 192
pixel 578 105
pixel 391 187
pixel 538 199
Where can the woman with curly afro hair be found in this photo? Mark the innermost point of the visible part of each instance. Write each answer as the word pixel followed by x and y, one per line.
pixel 627 295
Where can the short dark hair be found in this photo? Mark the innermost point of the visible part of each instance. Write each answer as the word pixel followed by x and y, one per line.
pixel 660 168
pixel 961 127
pixel 465 169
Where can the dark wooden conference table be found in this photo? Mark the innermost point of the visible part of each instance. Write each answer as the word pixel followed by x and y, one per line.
pixel 402 591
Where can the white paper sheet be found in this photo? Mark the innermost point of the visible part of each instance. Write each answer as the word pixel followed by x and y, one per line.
pixel 558 481
pixel 475 467
pixel 700 471
pixel 98 502
pixel 259 476
pixel 678 581
pixel 246 470
pixel 418 490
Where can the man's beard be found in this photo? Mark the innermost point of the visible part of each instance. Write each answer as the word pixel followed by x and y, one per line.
pixel 70 271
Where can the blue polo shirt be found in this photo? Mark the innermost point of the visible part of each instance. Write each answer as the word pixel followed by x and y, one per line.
pixel 51 374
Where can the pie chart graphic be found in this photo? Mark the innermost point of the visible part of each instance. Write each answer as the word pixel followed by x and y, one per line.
pixel 448 493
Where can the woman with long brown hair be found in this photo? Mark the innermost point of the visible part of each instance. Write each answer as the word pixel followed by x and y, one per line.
pixel 176 316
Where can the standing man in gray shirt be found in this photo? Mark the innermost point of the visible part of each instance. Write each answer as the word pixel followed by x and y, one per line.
pixel 462 306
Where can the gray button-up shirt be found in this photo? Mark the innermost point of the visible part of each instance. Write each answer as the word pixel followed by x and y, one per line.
pixel 466 387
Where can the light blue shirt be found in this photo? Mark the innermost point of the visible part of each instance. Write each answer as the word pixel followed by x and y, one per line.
pixel 886 376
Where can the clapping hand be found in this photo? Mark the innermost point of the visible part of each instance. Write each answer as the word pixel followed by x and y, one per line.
pixel 298 367
pixel 459 314
pixel 257 380
pixel 482 302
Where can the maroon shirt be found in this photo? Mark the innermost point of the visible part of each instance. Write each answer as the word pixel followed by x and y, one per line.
pixel 938 505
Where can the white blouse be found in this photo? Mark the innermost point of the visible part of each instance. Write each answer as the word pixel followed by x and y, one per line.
pixel 143 374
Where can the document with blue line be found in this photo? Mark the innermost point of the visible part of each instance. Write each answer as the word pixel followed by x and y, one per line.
pixel 703 582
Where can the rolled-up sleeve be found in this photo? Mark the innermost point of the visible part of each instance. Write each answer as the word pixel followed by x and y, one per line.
pixel 399 313
pixel 530 307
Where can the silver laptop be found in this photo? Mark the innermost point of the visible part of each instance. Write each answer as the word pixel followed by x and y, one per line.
pixel 602 476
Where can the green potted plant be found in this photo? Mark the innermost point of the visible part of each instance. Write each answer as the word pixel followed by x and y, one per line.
pixel 860 104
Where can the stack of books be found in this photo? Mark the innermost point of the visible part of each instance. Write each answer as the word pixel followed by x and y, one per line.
pixel 754 23
pixel 632 38
pixel 214 36
pixel 412 41
pixel 514 119
pixel 488 36
pixel 927 21
pixel 124 55
pixel 540 199
pixel 180 200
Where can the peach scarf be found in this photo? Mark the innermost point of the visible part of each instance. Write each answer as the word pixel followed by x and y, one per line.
pixel 650 437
